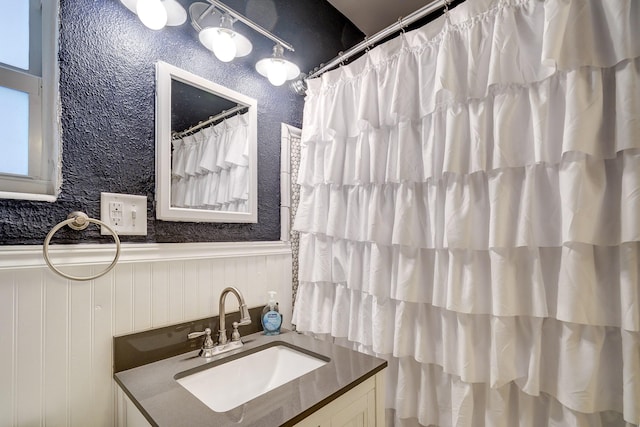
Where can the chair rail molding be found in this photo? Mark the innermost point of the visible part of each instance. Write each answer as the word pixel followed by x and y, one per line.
pixel 29 256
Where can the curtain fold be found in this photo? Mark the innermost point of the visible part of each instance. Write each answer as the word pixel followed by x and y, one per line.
pixel 469 198
pixel 209 169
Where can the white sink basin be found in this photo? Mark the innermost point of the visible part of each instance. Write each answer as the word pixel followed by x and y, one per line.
pixel 231 384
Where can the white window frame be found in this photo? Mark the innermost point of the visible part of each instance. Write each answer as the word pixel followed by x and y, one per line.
pixel 43 181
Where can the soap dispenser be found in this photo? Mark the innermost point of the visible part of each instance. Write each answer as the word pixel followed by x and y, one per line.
pixel 271 317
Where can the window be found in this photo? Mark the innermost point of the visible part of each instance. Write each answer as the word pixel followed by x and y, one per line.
pixel 29 154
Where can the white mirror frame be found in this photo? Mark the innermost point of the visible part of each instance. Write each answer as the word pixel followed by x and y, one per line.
pixel 164 211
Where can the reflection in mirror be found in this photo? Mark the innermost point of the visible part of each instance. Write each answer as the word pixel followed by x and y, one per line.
pixel 206 150
pixel 209 158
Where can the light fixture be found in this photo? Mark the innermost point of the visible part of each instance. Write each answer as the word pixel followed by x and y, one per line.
pixel 218 35
pixel 225 43
pixel 214 21
pixel 155 14
pixel 277 69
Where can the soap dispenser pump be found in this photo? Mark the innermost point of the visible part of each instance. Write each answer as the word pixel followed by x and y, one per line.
pixel 271 317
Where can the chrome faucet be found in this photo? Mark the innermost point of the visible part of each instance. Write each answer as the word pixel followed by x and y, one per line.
pixel 245 318
pixel 222 346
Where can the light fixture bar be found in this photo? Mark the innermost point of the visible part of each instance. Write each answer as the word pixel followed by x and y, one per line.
pixel 195 21
pixel 250 23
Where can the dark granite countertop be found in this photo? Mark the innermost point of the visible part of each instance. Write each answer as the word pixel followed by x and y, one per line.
pixel 165 403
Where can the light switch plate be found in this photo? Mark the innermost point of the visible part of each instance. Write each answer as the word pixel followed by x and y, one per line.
pixel 125 213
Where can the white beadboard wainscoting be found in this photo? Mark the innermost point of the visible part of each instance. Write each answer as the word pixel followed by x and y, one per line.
pixel 56 334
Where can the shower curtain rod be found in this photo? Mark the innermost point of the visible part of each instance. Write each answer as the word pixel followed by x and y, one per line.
pixel 382 34
pixel 210 120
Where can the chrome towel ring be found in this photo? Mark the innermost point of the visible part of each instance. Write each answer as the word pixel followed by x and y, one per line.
pixel 79 221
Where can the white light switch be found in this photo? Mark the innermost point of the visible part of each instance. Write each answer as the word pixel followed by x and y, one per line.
pixel 125 213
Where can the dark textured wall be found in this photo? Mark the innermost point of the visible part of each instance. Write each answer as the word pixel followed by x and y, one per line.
pixel 107 82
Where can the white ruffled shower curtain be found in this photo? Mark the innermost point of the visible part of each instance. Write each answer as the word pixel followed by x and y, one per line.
pixel 470 211
pixel 209 169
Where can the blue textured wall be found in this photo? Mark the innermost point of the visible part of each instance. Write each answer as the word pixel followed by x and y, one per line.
pixel 107 83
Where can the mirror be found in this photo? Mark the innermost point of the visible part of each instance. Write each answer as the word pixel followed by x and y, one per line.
pixel 206 150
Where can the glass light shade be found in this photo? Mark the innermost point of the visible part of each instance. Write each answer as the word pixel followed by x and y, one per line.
pixel 176 15
pixel 152 13
pixel 277 69
pixel 130 4
pixel 224 46
pixel 210 28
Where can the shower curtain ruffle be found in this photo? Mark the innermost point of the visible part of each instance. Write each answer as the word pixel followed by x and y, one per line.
pixel 455 402
pixel 541 355
pixel 578 283
pixel 478 404
pixel 210 168
pixel 581 200
pixel 469 211
pixel 470 59
pixel 588 111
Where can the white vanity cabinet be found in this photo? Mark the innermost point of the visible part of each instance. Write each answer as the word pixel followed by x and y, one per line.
pixel 362 406
pixel 127 414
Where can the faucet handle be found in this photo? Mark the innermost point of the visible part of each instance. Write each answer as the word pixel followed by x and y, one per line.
pixel 208 342
pixel 193 335
pixel 235 335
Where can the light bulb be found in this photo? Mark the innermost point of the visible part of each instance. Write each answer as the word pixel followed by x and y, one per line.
pixel 152 13
pixel 223 46
pixel 277 73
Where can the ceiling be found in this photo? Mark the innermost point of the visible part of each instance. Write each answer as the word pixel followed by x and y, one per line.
pixel 371 16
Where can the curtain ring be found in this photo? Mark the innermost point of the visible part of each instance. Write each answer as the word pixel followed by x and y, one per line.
pixel 402 29
pixel 446 11
pixel 366 41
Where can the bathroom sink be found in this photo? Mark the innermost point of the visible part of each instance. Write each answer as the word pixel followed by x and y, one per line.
pixel 227 385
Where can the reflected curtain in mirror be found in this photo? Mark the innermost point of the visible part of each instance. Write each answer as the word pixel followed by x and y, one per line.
pixel 210 167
